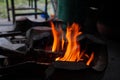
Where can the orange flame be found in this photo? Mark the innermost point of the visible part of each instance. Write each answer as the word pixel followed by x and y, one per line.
pixel 73 52
pixel 57 35
pixel 73 48
pixel 90 59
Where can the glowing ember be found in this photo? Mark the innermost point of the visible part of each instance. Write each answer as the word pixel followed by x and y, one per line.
pixel 73 52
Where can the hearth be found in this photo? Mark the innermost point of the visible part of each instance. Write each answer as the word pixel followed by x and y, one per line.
pixel 56 54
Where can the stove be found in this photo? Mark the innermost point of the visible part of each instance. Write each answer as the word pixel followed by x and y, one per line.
pixel 43 62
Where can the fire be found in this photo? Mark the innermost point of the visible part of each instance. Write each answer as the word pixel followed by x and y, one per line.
pixel 57 38
pixel 90 59
pixel 73 52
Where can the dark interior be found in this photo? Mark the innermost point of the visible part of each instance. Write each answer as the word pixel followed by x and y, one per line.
pixel 34 61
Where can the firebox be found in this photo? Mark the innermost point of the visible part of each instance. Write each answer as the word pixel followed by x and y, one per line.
pixel 71 54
